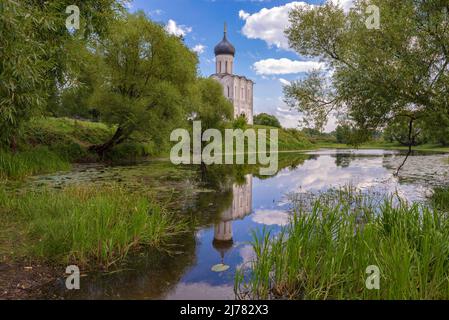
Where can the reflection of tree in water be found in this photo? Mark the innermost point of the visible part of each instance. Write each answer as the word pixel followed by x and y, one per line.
pixel 343 160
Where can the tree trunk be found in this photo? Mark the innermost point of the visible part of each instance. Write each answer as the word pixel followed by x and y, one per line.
pixel 203 167
pixel 411 141
pixel 103 149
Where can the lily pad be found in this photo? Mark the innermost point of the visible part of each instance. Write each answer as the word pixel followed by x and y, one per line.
pixel 220 268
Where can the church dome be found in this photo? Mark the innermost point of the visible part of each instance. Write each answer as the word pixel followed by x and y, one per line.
pixel 224 47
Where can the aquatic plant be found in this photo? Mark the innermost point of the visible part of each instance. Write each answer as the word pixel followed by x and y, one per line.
pixel 26 163
pixel 87 225
pixel 325 252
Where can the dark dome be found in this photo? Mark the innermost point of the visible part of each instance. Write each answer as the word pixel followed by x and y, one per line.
pixel 224 47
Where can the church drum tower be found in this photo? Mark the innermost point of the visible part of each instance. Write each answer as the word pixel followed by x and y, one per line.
pixel 238 89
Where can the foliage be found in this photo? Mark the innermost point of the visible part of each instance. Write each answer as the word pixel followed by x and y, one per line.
pixel 210 106
pixel 38 53
pixel 26 163
pixel 377 76
pixel 265 119
pixel 241 122
pixel 144 82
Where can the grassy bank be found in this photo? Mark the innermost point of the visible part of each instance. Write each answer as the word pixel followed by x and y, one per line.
pixel 51 144
pixel 326 250
pixel 34 161
pixel 386 146
pixel 288 139
pixel 84 225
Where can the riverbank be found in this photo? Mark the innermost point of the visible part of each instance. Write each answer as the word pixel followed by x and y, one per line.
pixel 45 230
pixel 386 146
pixel 325 252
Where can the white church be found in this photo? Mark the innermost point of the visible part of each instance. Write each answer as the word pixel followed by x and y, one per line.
pixel 238 89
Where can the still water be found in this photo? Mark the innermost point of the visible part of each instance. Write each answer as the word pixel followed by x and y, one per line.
pixel 228 218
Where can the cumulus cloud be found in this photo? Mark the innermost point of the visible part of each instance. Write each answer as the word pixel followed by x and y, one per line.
pixel 199 48
pixel 285 66
pixel 243 15
pixel 269 24
pixel 178 30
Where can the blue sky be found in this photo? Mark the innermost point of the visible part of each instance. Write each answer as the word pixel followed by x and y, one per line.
pixel 255 28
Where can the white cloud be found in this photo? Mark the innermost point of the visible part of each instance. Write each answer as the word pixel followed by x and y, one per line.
pixel 284 82
pixel 345 4
pixel 285 66
pixel 269 24
pixel 178 30
pixel 199 48
pixel 271 217
pixel 243 15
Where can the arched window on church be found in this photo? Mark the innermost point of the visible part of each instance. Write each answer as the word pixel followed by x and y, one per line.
pixel 229 92
pixel 219 65
pixel 226 70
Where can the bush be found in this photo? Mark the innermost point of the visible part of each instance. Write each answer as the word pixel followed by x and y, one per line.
pixel 265 119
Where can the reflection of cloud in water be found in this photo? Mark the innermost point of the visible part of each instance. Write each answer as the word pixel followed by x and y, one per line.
pixel 323 173
pixel 248 256
pixel 201 291
pixel 271 217
pixel 369 170
pixel 361 152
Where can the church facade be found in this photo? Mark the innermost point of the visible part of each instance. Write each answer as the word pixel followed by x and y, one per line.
pixel 238 89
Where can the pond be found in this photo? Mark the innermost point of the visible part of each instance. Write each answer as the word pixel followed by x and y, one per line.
pixel 227 219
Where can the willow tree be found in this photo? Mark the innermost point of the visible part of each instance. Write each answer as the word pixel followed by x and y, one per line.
pixel 373 76
pixel 144 82
pixel 37 50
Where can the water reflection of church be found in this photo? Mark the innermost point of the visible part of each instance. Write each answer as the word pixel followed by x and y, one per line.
pixel 240 208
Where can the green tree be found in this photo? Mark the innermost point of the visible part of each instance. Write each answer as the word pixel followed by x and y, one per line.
pixel 36 53
pixel 210 105
pixel 342 133
pixel 398 71
pixel 145 81
pixel 214 111
pixel 265 119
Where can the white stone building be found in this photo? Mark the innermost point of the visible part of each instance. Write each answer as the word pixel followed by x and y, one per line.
pixel 238 89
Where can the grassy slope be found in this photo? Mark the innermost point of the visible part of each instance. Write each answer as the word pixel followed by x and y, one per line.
pixel 289 139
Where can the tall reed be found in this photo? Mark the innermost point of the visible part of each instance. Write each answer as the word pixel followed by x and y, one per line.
pixel 87 225
pixel 26 163
pixel 325 251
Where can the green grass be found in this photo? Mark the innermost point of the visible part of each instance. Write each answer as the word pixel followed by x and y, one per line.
pixel 288 139
pixel 50 131
pixel 324 253
pixel 85 225
pixel 36 161
pixel 440 199
pixel 387 146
